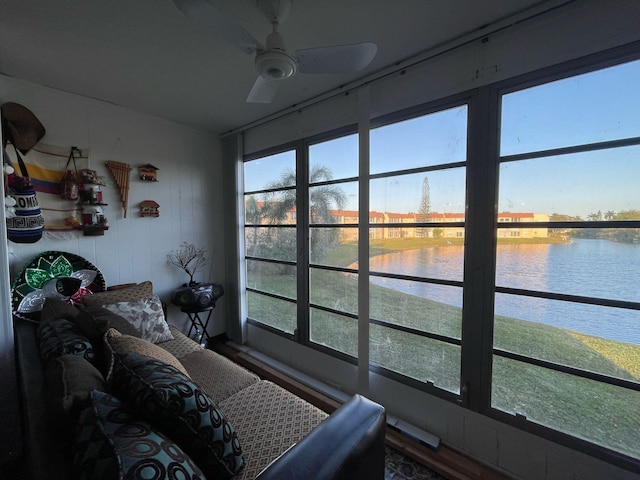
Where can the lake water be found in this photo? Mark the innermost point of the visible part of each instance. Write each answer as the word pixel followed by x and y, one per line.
pixel 592 268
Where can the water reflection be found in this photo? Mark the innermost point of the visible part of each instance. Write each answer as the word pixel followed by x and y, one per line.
pixel 593 268
pixel 445 263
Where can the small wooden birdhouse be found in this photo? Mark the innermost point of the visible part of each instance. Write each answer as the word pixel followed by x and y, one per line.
pixel 148 173
pixel 149 208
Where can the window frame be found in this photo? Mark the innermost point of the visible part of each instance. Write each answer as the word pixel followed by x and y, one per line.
pixel 587 64
pixel 481 232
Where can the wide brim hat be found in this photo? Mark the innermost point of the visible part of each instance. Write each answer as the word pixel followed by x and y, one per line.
pixel 20 126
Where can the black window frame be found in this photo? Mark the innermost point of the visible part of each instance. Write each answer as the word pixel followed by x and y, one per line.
pixel 481 231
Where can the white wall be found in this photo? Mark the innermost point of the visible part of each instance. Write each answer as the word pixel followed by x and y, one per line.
pixel 189 191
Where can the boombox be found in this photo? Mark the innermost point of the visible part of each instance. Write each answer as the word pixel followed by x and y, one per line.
pixel 203 295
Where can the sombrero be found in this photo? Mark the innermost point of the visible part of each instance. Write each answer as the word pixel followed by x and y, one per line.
pixel 53 274
pixel 20 126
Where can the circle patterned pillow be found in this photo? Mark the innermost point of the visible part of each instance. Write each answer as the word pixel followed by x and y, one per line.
pixel 111 443
pixel 176 405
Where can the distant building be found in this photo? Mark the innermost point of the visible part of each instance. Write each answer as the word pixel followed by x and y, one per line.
pixel 406 225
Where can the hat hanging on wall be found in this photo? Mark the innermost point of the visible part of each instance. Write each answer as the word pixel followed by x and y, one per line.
pixel 20 126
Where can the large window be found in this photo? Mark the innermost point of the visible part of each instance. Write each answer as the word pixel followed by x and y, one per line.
pixel 567 302
pixel 333 244
pixel 504 251
pixel 270 240
pixel 417 189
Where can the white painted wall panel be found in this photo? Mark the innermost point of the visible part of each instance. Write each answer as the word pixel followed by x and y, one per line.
pixel 189 192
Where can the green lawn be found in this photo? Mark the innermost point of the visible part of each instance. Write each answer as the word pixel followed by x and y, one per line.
pixel 606 415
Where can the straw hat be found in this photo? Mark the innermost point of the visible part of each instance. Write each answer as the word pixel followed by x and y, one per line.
pixel 20 126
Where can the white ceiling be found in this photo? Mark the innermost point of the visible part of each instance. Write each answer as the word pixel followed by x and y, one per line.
pixel 148 56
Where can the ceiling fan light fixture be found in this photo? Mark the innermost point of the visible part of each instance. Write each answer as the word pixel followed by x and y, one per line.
pixel 275 64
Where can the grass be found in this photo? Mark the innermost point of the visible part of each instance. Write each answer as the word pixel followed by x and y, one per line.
pixel 597 412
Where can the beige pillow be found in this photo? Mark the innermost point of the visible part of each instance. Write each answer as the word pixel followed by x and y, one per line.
pixel 116 342
pixel 127 294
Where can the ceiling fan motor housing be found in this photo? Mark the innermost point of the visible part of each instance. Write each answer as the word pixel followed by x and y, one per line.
pixel 275 63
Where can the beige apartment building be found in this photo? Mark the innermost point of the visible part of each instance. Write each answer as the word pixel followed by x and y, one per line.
pixel 454 231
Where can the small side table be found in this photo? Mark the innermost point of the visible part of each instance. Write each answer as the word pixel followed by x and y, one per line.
pixel 196 320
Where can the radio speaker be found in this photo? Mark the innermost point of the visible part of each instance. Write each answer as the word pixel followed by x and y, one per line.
pixel 201 296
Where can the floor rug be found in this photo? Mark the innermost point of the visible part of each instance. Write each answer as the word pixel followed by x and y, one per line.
pixel 401 467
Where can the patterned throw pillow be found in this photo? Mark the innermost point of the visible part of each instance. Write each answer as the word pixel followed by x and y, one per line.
pixel 62 337
pixel 127 294
pixel 147 316
pixel 116 342
pixel 179 407
pixel 111 443
pixel 95 321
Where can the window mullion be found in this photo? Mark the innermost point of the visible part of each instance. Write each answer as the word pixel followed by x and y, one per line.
pixel 302 242
pixel 479 270
pixel 364 126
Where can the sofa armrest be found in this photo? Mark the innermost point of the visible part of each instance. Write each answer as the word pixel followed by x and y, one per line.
pixel 349 444
pixel 46 453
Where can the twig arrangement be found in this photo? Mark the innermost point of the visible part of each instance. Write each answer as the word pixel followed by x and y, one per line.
pixel 189 258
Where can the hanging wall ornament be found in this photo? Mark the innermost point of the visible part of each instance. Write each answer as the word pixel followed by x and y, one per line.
pixel 120 172
pixel 69 184
pixel 52 274
pixel 25 224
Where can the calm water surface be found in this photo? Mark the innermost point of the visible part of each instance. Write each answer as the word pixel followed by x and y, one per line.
pixel 593 268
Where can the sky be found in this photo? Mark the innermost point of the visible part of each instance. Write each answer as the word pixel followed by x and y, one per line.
pixel 594 107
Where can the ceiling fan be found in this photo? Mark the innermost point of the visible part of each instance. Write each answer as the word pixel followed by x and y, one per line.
pixel 272 61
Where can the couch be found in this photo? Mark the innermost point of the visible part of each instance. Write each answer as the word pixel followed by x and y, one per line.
pixel 109 374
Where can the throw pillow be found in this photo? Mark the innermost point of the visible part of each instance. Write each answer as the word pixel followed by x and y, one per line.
pixel 61 337
pixel 147 316
pixel 55 309
pixel 70 379
pixel 116 342
pixel 111 443
pixel 95 321
pixel 179 407
pixel 128 294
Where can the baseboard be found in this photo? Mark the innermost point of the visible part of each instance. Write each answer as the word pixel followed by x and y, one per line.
pixel 445 461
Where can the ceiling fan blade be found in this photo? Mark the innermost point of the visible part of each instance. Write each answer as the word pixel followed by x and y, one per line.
pixel 336 59
pixel 263 90
pixel 207 14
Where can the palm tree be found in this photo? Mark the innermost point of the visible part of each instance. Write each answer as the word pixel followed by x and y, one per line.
pixel 253 214
pixel 609 215
pixel 322 199
pixel 281 201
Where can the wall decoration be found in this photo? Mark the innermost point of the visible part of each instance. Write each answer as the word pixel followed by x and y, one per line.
pixel 148 173
pixel 149 208
pixel 45 164
pixel 93 220
pixel 91 188
pixel 69 183
pixel 45 276
pixel 120 172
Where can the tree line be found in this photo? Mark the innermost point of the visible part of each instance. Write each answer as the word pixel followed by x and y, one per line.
pixel 624 235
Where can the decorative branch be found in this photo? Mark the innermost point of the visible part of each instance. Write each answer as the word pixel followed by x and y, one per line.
pixel 189 258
